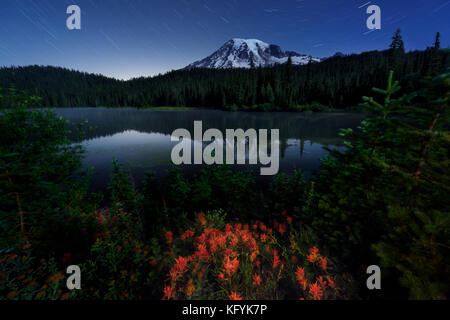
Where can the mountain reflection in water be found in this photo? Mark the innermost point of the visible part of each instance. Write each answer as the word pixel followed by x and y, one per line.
pixel 140 139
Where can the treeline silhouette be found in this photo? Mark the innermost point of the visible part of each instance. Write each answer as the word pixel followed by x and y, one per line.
pixel 337 82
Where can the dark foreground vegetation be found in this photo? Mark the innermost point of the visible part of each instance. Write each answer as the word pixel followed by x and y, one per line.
pixel 337 83
pixel 383 201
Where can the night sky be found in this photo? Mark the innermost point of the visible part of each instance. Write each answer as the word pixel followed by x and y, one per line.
pixel 130 38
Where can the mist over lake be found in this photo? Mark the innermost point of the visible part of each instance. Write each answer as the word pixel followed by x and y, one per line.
pixel 140 138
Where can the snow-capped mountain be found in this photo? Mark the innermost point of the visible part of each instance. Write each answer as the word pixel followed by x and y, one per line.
pixel 241 53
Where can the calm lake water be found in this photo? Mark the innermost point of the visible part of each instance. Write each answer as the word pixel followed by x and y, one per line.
pixel 140 139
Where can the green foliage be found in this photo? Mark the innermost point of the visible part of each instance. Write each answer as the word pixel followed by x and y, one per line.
pixel 120 266
pixel 255 262
pixel 214 188
pixel 337 81
pixel 121 186
pixel 219 187
pixel 417 241
pixel 24 278
pixel 287 192
pixel 397 41
pixel 216 218
pixel 154 214
pixel 178 190
pixel 314 107
pixel 384 200
pixel 39 170
pixel 386 195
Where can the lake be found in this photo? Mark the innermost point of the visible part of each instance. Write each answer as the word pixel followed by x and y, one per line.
pixel 140 139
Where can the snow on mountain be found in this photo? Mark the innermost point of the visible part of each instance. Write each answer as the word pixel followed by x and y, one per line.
pixel 241 53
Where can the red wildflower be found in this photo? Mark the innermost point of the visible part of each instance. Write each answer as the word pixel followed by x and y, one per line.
pixel 187 234
pixel 276 259
pixel 213 247
pixel 202 252
pixel 313 254
pixel 331 282
pixel 322 282
pixel 234 296
pixel 254 255
pixel 26 245
pixel 315 291
pixel 202 219
pixel 201 273
pixel 65 296
pixel 66 258
pixel 275 224
pixel 169 237
pixel 300 274
pixel 168 292
pixel 12 294
pixel 257 280
pixel 234 240
pixel 190 288
pixel 221 276
pixel 221 240
pixel 231 253
pixel 253 246
pixel 246 236
pixel 262 226
pixel 179 268
pixel 228 228
pixel 289 220
pixel 230 266
pixel 264 237
pixel 294 259
pixel 323 263
pixel 282 228
pixel 99 235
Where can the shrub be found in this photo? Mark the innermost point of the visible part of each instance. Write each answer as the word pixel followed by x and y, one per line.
pixel 239 261
pixel 39 167
pixel 22 277
pixel 121 265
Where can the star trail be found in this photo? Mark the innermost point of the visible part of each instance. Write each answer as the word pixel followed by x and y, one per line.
pixel 132 38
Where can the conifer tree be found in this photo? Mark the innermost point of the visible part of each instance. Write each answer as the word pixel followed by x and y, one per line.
pixel 386 195
pixel 269 93
pixel 338 82
pixel 435 60
pixel 397 41
pixel 416 244
pixel 437 41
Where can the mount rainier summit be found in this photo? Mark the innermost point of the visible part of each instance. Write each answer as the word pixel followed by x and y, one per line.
pixel 241 53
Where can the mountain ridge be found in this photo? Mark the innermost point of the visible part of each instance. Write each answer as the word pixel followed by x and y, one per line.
pixel 245 53
pixel 338 81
